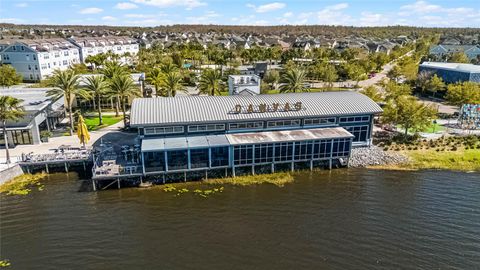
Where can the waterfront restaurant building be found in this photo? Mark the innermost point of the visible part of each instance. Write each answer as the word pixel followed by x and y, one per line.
pixel 234 135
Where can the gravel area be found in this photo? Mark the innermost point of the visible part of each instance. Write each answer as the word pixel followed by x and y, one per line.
pixel 371 156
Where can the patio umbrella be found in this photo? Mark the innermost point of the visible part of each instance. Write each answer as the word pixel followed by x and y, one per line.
pixel 82 131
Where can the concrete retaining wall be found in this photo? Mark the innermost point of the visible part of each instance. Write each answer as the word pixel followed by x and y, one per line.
pixel 10 173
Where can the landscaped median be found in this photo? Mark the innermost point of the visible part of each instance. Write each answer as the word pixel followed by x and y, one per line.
pixel 108 120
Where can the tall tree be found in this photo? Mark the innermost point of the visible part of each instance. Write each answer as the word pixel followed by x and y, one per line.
pixel 458 57
pixel 407 112
pixel 171 82
pixel 463 93
pixel 372 92
pixel 271 78
pixel 97 88
pixel 394 90
pixel 211 82
pixel 66 84
pixel 111 69
pixel 355 72
pixel 435 84
pixel 11 109
pixel 123 87
pixel 9 76
pixel 330 75
pixel 154 77
pixel 293 80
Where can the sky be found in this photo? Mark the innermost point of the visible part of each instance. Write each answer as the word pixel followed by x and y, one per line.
pixel 441 13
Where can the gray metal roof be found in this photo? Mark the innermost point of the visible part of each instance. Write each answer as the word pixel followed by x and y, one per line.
pixel 190 109
pixel 165 144
pixel 161 144
pixel 288 135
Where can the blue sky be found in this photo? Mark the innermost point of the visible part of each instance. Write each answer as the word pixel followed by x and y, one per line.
pixel 446 13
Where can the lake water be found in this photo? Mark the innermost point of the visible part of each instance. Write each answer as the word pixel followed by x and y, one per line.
pixel 343 219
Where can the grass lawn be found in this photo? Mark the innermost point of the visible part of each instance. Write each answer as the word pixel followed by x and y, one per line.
pixel 431 129
pixel 461 160
pixel 108 120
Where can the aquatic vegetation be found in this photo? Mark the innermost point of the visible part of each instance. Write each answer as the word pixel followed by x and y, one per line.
pixel 203 193
pixel 4 263
pixel 23 184
pixel 278 179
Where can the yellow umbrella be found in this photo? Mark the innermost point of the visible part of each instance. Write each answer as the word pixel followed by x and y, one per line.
pixel 82 131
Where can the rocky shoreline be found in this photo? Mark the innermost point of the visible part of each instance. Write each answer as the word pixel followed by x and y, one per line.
pixel 375 156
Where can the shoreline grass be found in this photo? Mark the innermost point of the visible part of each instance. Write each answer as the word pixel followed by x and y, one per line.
pixel 23 184
pixel 277 179
pixel 465 160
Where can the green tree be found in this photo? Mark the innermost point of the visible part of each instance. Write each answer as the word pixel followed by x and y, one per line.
pixel 355 72
pixel 111 69
pixel 423 79
pixel 97 87
pixel 394 73
pixel 407 112
pixel 154 77
pixel 66 84
pixel 330 75
pixel 9 76
pixel 458 57
pixel 394 90
pixel 271 78
pixel 171 82
pixel 11 109
pixel 372 92
pixel 123 87
pixel 463 93
pixel 211 82
pixel 293 80
pixel 435 84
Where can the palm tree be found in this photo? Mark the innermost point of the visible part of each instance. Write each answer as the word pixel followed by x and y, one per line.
pixel 110 70
pixel 123 87
pixel 293 80
pixel 97 88
pixel 154 77
pixel 65 84
pixel 10 110
pixel 211 82
pixel 171 82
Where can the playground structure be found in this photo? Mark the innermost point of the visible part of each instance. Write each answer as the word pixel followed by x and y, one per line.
pixel 469 116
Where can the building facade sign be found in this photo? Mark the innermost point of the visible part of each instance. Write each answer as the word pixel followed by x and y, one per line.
pixel 263 107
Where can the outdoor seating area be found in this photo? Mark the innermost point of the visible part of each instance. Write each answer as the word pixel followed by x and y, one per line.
pixel 60 154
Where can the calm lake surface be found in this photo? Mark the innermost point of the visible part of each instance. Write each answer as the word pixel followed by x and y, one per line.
pixel 343 219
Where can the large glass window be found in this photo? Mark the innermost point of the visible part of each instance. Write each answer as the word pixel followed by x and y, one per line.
pixel 360 133
pixel 177 160
pixel 243 154
pixel 163 130
pixel 199 158
pixel 354 119
pixel 319 121
pixel 263 153
pixel 303 150
pixel 341 148
pixel 283 123
pixel 283 151
pixel 245 125
pixel 154 161
pixel 220 156
pixel 205 128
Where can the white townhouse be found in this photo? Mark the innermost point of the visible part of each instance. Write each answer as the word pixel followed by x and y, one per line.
pixel 37 59
pixel 89 46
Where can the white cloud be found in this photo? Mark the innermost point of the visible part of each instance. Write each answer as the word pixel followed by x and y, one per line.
pixel 12 20
pixel 92 10
pixel 421 7
pixel 333 15
pixel 373 19
pixel 189 4
pixel 267 7
pixel 141 16
pixel 125 6
pixel 109 18
pixel 207 18
pixel 288 14
pixel 21 5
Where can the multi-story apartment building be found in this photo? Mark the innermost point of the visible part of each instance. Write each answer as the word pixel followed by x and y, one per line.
pixel 36 59
pixel 89 46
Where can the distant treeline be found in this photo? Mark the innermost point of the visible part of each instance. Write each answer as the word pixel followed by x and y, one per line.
pixel 314 30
